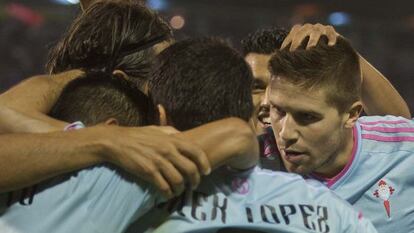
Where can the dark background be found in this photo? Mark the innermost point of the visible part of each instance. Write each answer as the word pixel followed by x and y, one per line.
pixel 382 31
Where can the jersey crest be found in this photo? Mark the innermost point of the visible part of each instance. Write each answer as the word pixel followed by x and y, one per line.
pixel 240 185
pixel 384 192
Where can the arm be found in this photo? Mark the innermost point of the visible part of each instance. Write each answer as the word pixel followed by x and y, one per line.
pixel 26 159
pixel 378 95
pixel 31 158
pixel 31 100
pixel 145 152
pixel 229 141
pixel 18 122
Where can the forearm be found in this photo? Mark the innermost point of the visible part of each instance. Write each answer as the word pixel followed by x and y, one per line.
pixel 31 100
pixel 230 141
pixel 378 95
pixel 12 121
pixel 26 159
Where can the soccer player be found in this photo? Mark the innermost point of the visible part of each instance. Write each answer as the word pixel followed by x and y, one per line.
pixel 116 36
pixel 378 95
pixel 103 198
pixel 315 102
pixel 195 81
pixel 257 49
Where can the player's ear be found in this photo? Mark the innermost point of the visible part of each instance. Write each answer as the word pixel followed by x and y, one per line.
pixel 111 121
pixel 352 115
pixel 162 115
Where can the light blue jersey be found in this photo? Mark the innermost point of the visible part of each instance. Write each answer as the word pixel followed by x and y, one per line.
pixel 99 199
pixel 379 179
pixel 255 201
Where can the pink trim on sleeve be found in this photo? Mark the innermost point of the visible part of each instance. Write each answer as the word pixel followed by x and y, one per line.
pixel 388 129
pixel 388 139
pixel 384 122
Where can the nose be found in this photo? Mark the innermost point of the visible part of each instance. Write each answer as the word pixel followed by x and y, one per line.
pixel 288 131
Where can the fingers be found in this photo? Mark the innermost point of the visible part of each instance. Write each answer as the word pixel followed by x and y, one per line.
pixel 185 166
pixel 162 174
pixel 173 177
pixel 332 35
pixel 154 177
pixel 313 39
pixel 196 155
pixel 288 40
pixel 167 161
pixel 299 34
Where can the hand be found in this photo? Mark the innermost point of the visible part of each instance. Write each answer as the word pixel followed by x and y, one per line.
pixel 299 33
pixel 156 155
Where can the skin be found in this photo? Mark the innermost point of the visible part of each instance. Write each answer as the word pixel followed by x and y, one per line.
pixel 258 63
pixel 36 97
pixel 29 102
pixel 378 95
pixel 29 158
pixel 312 135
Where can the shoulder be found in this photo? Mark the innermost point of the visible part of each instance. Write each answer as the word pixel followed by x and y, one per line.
pixel 391 132
pixel 388 120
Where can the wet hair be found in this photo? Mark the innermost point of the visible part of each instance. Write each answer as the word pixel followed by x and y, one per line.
pixel 201 80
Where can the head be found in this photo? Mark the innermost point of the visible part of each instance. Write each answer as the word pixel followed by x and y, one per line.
pixel 257 49
pixel 111 35
pixel 314 103
pixel 101 97
pixel 197 81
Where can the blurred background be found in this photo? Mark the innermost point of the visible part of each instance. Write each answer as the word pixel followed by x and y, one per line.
pixel 382 30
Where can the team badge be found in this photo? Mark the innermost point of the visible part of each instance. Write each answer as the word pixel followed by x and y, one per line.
pixel 240 185
pixel 384 192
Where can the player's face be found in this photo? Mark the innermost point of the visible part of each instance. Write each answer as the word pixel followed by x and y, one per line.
pixel 261 74
pixel 309 132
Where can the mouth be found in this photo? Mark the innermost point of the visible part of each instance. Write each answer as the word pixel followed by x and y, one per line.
pixel 294 156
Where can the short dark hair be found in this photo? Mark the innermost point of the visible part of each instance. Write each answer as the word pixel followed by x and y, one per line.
pixel 99 96
pixel 111 35
pixel 264 41
pixel 335 68
pixel 201 80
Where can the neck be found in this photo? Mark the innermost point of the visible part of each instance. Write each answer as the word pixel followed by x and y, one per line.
pixel 340 158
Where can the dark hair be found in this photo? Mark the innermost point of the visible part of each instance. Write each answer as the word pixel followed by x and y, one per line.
pixel 201 80
pixel 264 41
pixel 99 96
pixel 111 35
pixel 335 68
